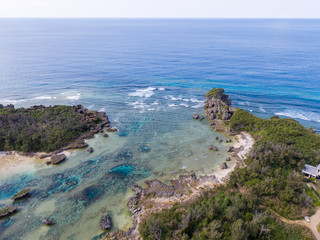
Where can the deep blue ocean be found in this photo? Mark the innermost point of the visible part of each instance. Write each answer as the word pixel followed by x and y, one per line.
pixel 149 76
pixel 267 66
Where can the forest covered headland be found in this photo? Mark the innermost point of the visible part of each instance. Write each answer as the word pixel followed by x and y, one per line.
pixel 48 129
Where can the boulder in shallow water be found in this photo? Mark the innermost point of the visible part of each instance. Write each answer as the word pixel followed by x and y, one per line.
pixel 90 150
pixel 21 194
pixel 47 221
pixel 201 117
pixel 112 130
pixel 230 149
pixel 213 148
pixel 228 140
pixel 228 159
pixel 224 165
pixel 195 116
pixel 6 211
pixel 56 159
pixel 105 222
pixel 105 135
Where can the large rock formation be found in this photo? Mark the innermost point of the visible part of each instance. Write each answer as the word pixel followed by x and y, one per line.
pixel 6 211
pixel 105 222
pixel 217 105
pixel 21 194
pixel 56 159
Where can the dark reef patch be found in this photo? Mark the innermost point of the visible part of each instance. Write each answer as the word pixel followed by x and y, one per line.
pixel 124 155
pixel 144 148
pixel 91 194
pixel 122 170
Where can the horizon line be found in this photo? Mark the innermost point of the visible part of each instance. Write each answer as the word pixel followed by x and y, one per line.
pixel 275 18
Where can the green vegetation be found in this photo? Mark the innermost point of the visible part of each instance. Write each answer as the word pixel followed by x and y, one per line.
pixel 214 92
pixel 43 128
pixel 243 208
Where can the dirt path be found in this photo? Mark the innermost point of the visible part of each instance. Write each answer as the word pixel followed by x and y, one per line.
pixel 314 221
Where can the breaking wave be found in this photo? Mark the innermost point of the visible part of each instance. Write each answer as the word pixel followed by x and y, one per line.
pixel 299 114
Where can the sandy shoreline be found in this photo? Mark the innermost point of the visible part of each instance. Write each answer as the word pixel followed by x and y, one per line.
pixel 12 163
pixel 242 146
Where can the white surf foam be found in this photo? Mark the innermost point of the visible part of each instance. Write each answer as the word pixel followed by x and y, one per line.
pixel 102 110
pixel 194 100
pixel 73 97
pixel 45 97
pixel 161 89
pixel 200 105
pixel 299 114
pixel 262 109
pixel 147 92
pixel 172 98
pixel 172 105
pixel 184 105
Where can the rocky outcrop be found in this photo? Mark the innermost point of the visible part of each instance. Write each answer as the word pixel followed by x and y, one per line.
pixel 56 159
pixel 112 129
pixel 47 221
pixel 217 105
pixel 105 222
pixel 195 116
pixel 224 165
pixel 21 194
pixel 213 148
pixel 230 149
pixel 6 211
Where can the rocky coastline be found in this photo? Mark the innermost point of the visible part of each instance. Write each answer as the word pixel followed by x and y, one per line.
pixel 158 196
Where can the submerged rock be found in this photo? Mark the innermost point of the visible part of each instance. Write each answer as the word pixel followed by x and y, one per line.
pixel 105 222
pixel 90 150
pixel 201 117
pixel 47 221
pixel 228 140
pixel 6 211
pixel 144 148
pixel 56 159
pixel 228 159
pixel 21 194
pixel 105 135
pixel 224 165
pixel 124 155
pixel 195 116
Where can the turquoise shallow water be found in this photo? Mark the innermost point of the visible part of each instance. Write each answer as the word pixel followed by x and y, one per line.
pixel 150 77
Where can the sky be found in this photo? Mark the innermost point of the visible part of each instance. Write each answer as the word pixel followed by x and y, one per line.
pixel 160 8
